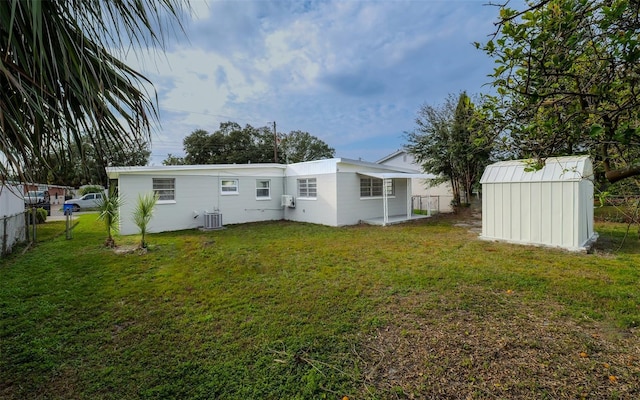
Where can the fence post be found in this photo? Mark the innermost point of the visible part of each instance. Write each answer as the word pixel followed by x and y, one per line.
pixel 33 220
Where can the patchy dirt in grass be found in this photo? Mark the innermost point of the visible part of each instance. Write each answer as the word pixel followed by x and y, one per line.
pixel 129 249
pixel 467 217
pixel 501 347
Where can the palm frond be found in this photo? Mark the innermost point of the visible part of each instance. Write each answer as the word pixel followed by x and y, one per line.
pixel 61 77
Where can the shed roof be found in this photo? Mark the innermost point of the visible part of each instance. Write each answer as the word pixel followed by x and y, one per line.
pixel 556 169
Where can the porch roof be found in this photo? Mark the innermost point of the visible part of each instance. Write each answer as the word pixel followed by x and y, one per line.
pixel 396 175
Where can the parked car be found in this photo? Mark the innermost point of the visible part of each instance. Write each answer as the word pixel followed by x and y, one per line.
pixel 34 197
pixel 89 200
pixel 39 199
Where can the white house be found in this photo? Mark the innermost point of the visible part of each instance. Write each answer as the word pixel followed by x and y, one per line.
pixel 425 194
pixel 13 227
pixel 332 192
pixel 11 199
pixel 552 206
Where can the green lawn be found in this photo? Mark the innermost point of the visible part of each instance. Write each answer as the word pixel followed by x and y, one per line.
pixel 286 310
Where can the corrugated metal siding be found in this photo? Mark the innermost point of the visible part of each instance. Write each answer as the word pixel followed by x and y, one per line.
pixel 550 207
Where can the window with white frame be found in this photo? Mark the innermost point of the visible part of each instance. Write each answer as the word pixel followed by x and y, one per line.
pixel 373 187
pixel 263 189
pixel 307 188
pixel 229 186
pixel 165 188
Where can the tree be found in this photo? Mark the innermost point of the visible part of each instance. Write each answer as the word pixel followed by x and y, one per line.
pixel 173 160
pixel 60 76
pixel 233 144
pixel 298 146
pixel 86 165
pixel 198 147
pixel 568 79
pixel 453 142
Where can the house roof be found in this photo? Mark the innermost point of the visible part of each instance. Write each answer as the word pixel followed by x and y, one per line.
pixel 310 167
pixel 390 156
pixel 375 165
pixel 556 169
pixel 114 172
pixel 392 175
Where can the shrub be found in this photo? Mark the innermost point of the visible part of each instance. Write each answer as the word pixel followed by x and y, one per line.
pixel 90 189
pixel 40 214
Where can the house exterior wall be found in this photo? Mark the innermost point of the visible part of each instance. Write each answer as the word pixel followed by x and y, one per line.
pixel 320 210
pixel 197 190
pixel 56 193
pixel 11 200
pixel 197 194
pixel 550 208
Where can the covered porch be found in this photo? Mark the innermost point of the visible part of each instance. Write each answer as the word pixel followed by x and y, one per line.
pixel 387 178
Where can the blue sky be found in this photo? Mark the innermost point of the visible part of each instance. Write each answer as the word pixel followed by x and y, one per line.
pixel 352 73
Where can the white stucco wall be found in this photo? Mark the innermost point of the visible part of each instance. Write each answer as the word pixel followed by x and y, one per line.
pixel 197 194
pixel 319 210
pixel 11 200
pixel 197 190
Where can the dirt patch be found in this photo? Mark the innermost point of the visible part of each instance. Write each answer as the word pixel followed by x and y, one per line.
pixel 129 249
pixel 502 348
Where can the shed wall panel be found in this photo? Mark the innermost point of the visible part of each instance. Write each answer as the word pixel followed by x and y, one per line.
pixel 525 211
pixel 552 206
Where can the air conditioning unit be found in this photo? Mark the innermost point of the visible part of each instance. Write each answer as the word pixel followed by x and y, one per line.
pixel 288 201
pixel 212 220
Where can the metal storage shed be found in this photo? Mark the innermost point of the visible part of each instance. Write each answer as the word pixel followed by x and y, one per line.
pixel 552 206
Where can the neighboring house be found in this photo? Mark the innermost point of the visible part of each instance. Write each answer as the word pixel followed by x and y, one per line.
pixel 13 224
pixel 439 197
pixel 57 193
pixel 332 192
pixel 552 206
pixel 11 199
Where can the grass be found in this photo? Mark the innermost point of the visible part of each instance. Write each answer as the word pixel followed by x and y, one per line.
pixel 288 310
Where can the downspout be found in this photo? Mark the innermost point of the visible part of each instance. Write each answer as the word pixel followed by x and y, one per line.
pixel 285 177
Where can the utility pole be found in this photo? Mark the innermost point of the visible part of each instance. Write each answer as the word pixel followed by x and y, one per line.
pixel 275 143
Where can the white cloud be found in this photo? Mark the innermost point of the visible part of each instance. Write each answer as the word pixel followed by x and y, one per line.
pixel 350 72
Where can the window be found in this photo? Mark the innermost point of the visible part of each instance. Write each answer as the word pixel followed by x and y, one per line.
pixel 307 187
pixel 263 189
pixel 372 187
pixel 165 188
pixel 229 186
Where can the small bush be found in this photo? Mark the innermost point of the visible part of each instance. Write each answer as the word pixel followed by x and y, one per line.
pixel 91 189
pixel 41 216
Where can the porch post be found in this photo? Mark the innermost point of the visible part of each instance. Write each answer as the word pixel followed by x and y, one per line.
pixel 385 203
pixel 409 198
